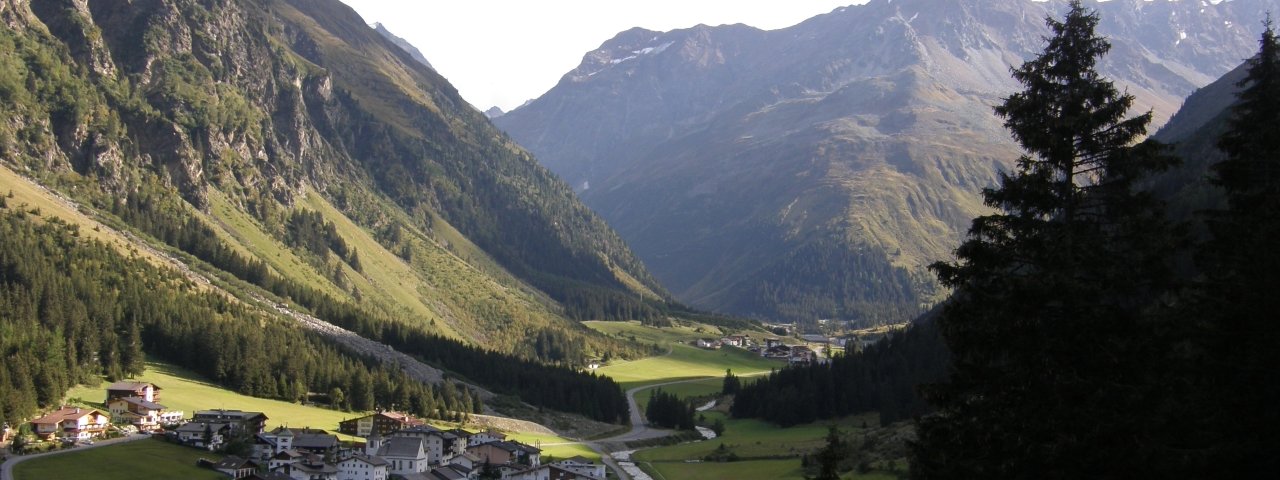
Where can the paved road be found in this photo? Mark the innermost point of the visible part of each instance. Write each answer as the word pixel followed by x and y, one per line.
pixel 640 430
pixel 6 469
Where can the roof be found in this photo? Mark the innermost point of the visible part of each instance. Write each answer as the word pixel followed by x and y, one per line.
pixel 288 455
pixel 315 440
pixel 198 426
pixel 233 462
pixel 131 385
pixel 375 461
pixel 527 448
pixel 139 401
pixel 501 445
pixel 403 447
pixel 419 430
pixel 448 473
pixel 554 468
pixel 578 459
pixel 65 413
pixel 512 447
pixel 307 437
pixel 315 464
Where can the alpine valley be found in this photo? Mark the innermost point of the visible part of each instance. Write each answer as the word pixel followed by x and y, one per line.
pixel 815 171
pixel 274 205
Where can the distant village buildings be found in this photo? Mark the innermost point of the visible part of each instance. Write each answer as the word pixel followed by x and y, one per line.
pixel 397 445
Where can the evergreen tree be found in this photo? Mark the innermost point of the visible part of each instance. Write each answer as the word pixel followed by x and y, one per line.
pixel 830 456
pixel 731 383
pixel 1242 271
pixel 1053 348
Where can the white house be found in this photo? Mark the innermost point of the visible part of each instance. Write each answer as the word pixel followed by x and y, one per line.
pixel 582 466
pixel 73 423
pixel 362 467
pixel 485 437
pixel 548 472
pixel 441 445
pixel 404 455
pixel 147 416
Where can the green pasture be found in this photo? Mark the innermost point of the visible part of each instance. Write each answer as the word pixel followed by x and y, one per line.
pixel 126 461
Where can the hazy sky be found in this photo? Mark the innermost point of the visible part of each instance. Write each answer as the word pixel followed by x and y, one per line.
pixel 503 52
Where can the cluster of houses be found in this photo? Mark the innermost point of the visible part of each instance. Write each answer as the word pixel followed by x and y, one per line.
pixel 772 348
pixel 397 446
pixel 741 341
pixel 128 403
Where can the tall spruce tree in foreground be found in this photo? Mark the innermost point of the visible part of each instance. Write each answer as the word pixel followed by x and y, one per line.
pixel 1241 294
pixel 1053 349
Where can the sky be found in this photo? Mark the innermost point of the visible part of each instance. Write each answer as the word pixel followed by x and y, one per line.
pixel 504 52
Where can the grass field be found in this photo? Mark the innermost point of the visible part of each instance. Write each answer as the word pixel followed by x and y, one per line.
pixel 185 391
pixel 699 388
pixel 140 459
pixel 683 362
pixel 758 443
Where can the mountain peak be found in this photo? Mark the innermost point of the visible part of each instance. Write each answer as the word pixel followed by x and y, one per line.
pixel 855 141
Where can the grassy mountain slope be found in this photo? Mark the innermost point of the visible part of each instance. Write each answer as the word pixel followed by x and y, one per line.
pixel 1194 132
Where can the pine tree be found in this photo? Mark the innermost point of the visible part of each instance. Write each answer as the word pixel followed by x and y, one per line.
pixel 1242 277
pixel 830 456
pixel 731 383
pixel 1053 349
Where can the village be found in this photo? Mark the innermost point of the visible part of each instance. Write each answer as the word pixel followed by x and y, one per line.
pixel 816 348
pixel 396 445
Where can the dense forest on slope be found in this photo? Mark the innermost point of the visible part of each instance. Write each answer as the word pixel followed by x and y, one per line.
pixel 882 377
pixel 72 309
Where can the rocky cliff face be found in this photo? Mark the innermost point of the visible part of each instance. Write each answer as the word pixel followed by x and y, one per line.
pixel 262 103
pixel 814 171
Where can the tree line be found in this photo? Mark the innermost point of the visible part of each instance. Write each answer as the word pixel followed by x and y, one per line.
pixel 667 410
pixel 882 377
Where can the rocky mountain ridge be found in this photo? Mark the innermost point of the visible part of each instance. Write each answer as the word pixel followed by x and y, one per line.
pixel 813 171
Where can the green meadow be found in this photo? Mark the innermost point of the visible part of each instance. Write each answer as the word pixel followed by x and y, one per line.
pixel 683 362
pixel 126 461
pixel 766 451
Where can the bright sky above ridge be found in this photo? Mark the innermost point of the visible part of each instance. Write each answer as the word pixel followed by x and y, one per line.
pixel 504 52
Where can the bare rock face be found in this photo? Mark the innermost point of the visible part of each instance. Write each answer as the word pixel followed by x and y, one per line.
pixel 813 171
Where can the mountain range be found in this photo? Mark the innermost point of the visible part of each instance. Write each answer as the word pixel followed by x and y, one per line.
pixel 816 170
